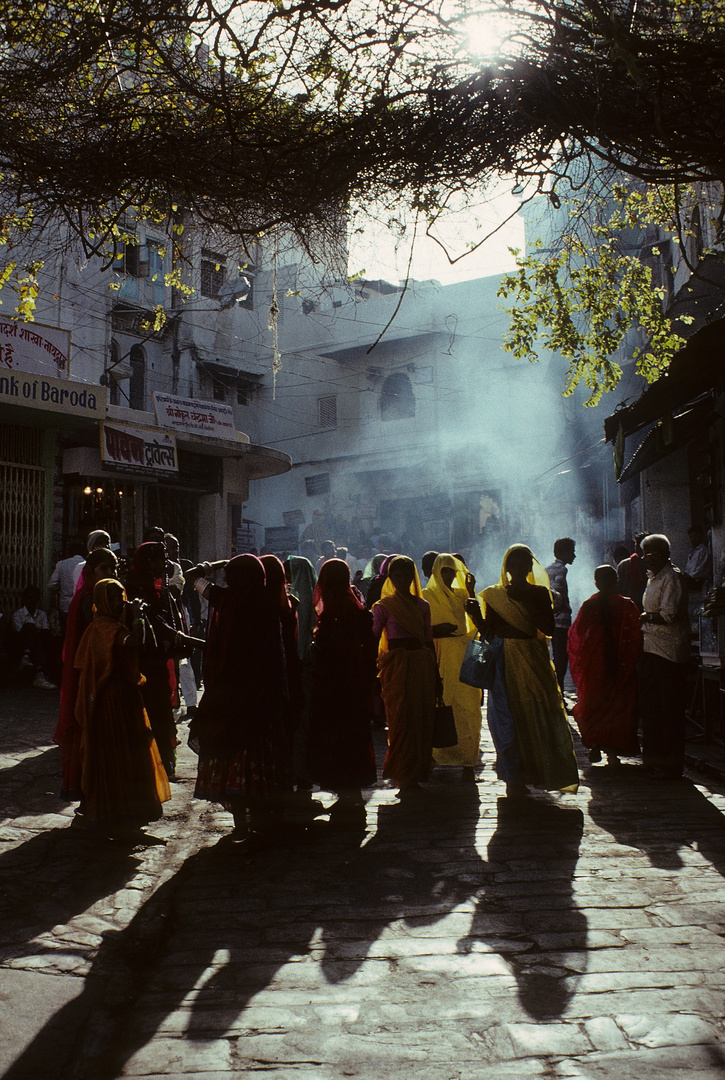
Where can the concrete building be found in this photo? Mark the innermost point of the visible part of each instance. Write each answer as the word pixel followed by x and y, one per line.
pixel 121 406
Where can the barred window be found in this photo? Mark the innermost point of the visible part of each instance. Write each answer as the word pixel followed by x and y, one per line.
pixel 327 412
pixel 397 401
pixel 213 273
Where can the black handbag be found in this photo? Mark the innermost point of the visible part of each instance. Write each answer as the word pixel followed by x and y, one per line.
pixel 444 727
pixel 479 664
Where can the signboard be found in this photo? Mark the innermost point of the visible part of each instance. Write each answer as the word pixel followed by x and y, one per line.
pixel 195 417
pixel 55 395
pixel 246 539
pixel 293 517
pixel 317 485
pixel 34 349
pixel 138 449
pixel 282 538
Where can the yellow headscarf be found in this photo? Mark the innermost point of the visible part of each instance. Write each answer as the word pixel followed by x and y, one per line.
pixel 103 593
pixel 538 575
pixel 412 620
pixel 448 604
pixel 389 588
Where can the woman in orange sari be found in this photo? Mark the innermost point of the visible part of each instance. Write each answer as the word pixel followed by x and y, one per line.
pixel 605 643
pixel 101 563
pixel 408 674
pixel 122 778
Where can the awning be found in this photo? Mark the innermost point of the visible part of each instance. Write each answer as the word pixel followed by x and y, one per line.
pixel 697 369
pixel 671 433
pixel 229 374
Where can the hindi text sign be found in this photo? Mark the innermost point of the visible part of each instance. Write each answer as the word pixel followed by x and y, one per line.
pixel 144 449
pixel 195 417
pixel 34 349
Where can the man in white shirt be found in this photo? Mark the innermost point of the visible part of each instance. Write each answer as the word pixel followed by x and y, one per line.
pixel 64 578
pixel 564 555
pixel 663 667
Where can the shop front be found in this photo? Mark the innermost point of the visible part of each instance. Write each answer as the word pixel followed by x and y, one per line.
pixel 40 406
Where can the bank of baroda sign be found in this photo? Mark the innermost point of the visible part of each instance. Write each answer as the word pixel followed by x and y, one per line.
pixel 35 371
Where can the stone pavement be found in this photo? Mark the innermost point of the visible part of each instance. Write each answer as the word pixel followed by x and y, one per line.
pixel 457 936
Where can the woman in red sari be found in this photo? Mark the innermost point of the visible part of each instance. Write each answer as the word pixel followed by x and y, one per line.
pixel 101 563
pixel 605 643
pixel 244 756
pixel 341 755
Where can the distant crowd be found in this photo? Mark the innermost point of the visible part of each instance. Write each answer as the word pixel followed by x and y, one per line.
pixel 282 669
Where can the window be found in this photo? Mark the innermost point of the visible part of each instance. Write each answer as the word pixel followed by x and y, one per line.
pixel 219 390
pixel 213 273
pixel 137 383
pixel 154 252
pixel 131 260
pixel 327 412
pixel 397 401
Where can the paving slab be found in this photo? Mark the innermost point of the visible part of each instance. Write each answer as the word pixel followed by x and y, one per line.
pixel 461 937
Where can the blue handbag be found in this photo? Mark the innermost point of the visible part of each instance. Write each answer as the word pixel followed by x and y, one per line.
pixel 479 664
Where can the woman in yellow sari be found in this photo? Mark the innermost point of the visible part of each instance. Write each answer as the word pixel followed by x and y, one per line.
pixel 525 711
pixel 408 674
pixel 452 628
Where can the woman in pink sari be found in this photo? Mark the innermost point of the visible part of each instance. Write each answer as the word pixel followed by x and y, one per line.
pixel 605 643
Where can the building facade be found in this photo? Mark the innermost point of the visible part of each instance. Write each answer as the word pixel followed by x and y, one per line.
pixel 122 406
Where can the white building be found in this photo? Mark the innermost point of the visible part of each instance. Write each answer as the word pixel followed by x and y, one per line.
pixel 432 438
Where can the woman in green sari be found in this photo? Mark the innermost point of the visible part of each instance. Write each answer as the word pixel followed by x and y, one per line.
pixel 525 712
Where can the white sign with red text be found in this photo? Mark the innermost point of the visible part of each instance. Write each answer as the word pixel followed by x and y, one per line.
pixel 34 349
pixel 138 448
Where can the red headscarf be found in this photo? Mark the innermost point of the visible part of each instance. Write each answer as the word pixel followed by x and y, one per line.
pixel 67 732
pixel 141 566
pixel 233 613
pixel 334 594
pixel 276 584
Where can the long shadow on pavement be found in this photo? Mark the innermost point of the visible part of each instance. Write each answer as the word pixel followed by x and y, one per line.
pixel 221 931
pixel 531 860
pixel 48 880
pixel 31 785
pixel 660 818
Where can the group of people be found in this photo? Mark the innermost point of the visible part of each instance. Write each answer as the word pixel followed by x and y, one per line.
pixel 123 645
pixel 629 649
pixel 300 664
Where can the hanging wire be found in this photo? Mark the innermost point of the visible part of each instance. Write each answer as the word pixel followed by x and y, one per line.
pixel 273 324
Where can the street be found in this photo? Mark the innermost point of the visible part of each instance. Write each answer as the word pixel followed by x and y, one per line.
pixel 454 936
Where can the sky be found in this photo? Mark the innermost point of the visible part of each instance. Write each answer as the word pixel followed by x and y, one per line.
pixel 376 252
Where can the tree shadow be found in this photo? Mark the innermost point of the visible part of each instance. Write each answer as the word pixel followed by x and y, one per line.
pixel 659 817
pixel 528 914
